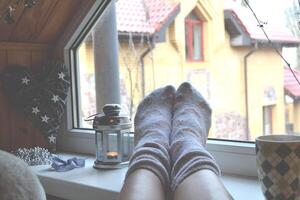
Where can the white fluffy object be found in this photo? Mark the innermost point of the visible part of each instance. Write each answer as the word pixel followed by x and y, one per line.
pixel 17 181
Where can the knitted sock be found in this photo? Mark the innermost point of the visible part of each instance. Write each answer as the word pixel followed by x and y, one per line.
pixel 152 130
pixel 191 123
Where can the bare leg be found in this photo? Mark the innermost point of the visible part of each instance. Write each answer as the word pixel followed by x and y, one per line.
pixel 204 185
pixel 142 185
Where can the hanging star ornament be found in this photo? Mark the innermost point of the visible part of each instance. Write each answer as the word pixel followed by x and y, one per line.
pixel 52 139
pixel 25 80
pixel 45 119
pixel 55 98
pixel 35 110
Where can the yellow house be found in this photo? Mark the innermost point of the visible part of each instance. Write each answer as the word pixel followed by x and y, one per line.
pixel 215 45
pixel 292 91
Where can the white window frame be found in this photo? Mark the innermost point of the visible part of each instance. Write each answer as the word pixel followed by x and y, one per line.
pixel 233 157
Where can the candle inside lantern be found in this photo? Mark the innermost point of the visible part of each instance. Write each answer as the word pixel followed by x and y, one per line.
pixel 112 155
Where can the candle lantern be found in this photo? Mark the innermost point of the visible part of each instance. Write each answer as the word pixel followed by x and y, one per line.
pixel 114 141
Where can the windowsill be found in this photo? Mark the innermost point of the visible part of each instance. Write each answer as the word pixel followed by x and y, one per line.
pixel 89 183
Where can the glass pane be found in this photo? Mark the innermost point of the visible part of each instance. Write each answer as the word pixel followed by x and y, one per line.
pixel 267 120
pixel 187 43
pixel 86 82
pixel 196 42
pixel 238 111
pixel 112 142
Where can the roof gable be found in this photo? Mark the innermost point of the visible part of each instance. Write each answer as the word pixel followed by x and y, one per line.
pixel 240 23
pixel 144 16
pixel 291 86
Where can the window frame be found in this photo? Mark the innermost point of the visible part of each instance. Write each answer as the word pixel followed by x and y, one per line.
pixel 233 156
pixel 189 28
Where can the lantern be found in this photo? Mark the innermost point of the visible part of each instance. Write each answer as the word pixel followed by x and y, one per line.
pixel 114 142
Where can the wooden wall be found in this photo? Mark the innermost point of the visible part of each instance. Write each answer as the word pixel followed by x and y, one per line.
pixel 15 130
pixel 38 34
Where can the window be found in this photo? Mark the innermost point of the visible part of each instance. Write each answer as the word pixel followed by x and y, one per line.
pixel 235 79
pixel 267 120
pixel 193 38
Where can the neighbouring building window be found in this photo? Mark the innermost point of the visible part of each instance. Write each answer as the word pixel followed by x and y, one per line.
pixel 267 120
pixel 193 38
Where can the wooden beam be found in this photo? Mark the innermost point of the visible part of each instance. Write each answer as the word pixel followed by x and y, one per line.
pixel 24 46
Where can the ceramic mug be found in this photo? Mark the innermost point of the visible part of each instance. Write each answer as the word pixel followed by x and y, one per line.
pixel 278 163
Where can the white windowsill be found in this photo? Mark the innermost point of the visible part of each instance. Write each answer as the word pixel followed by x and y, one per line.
pixel 89 183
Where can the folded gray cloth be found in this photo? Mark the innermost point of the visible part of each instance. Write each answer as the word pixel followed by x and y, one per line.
pixel 61 165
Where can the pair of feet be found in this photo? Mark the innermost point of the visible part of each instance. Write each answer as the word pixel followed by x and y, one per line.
pixel 173 114
pixel 171 129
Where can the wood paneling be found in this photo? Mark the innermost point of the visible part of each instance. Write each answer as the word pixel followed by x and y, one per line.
pixel 15 130
pixel 73 24
pixel 43 23
pixel 32 21
pixel 38 34
pixel 64 12
pixel 8 29
pixel 5 129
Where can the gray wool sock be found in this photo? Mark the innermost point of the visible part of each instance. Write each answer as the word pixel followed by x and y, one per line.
pixel 191 124
pixel 152 130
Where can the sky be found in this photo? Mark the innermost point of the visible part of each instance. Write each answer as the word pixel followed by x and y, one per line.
pixel 271 9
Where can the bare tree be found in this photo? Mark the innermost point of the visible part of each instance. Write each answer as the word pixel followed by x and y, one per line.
pixel 292 15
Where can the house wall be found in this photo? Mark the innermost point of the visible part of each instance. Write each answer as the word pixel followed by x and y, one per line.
pixel 297 117
pixel 220 77
pixel 290 112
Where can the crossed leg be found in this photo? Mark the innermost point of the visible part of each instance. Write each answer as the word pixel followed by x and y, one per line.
pixel 194 172
pixel 202 185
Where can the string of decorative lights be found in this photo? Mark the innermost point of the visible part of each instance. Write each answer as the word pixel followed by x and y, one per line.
pixel 7 15
pixel 261 26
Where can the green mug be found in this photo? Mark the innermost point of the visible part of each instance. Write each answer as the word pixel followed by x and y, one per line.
pixel 278 163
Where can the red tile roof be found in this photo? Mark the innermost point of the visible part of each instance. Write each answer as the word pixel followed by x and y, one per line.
pixel 143 16
pixel 291 86
pixel 276 33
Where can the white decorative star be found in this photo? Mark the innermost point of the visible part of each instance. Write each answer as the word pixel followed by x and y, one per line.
pixel 35 110
pixel 25 80
pixel 45 119
pixel 52 139
pixel 55 98
pixel 61 75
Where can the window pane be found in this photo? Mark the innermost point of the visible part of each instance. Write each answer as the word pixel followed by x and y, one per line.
pixel 197 42
pixel 187 40
pixel 267 120
pixel 247 93
pixel 86 82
